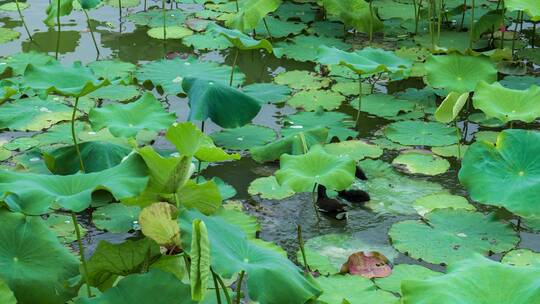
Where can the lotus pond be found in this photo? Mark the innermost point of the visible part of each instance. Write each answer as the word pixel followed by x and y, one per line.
pixel 270 151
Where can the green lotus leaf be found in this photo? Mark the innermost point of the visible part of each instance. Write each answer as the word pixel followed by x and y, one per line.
pixel 354 13
pixel 327 253
pixel 244 138
pixel 353 290
pixel 451 235
pixel 6 92
pixel 232 252
pixel 269 188
pixel 239 39
pixel 33 114
pixel 35 193
pixel 171 32
pixel 200 260
pixel 35 266
pixel 6 295
pixel 459 73
pixel 154 18
pixel 349 87
pixel 126 120
pixel 226 190
pixel 169 74
pixel 457 151
pixel 507 104
pixel 113 69
pixel 476 280
pixel 383 105
pixel 279 28
pixel 520 82
pixel 267 92
pixel 327 28
pixel 124 3
pixel 233 213
pixel 392 192
pixel 522 257
pixel 224 105
pixel 116 92
pixel 75 81
pixel 8 35
pixel 311 100
pixel 304 48
pixel 302 172
pixel 12 6
pixel 510 164
pixel 205 196
pixel 296 143
pixel 66 6
pixel 420 133
pixel 158 222
pixel 116 218
pixel 97 156
pixel 421 162
pixel 87 4
pixel 18 62
pixel 207 41
pixel 428 203
pixel 530 7
pixel 301 80
pixel 355 149
pixel 451 106
pixel 337 123
pixel 62 226
pixel 251 12
pixel 302 11
pixel 365 61
pixel 142 288
pixel 404 272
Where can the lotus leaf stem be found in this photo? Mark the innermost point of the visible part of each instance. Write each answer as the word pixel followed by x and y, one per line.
pixel 514 35
pixel 59 28
pixel 91 31
pixel 145 7
pixel 223 287
pixel 458 134
pixel 415 18
pixel 233 67
pixel 237 6
pixel 533 35
pixel 22 20
pixel 431 29
pixel 359 99
pixel 471 34
pixel 370 21
pixel 314 201
pixel 239 287
pixel 439 20
pixel 304 143
pixel 120 10
pixel 164 8
pixel 81 253
pixel 74 136
pixel 216 287
pixel 502 33
pixel 301 244
pixel 463 14
pixel 268 30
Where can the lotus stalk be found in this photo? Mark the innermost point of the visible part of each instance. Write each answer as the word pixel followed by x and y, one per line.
pixel 216 287
pixel 458 134
pixel 371 21
pixel 223 286
pixel 471 30
pixel 533 35
pixel 439 20
pixel 164 9
pixel 237 6
pixel 359 99
pixel 59 28
pixel 463 14
pixel 239 287
pixel 431 28
pixel 314 202
pixel 515 33
pixel 301 245
pixel 145 6
pixel 91 31
pixel 120 10
pixel 74 136
pixel 233 66
pixel 81 253
pixel 22 20
pixel 268 30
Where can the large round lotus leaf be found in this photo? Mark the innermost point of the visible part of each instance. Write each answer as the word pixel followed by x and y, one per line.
pixel 250 13
pixel 365 61
pixel 457 151
pixel 12 6
pixel 169 74
pixel 352 290
pixel 232 213
pixel 269 188
pixel 302 80
pixel 304 48
pixel 353 13
pixel 511 164
pixel 289 10
pixel 431 202
pixel 337 123
pixel 116 218
pixel 507 104
pixel 530 7
pixel 384 105
pixel 116 92
pixel 224 105
pixel 154 18
pixel 112 69
pixel 126 120
pixel 522 257
pixel 519 82
pixel 327 253
pixel 421 162
pixel 267 92
pixel 33 114
pixel 171 32
pixel 76 80
pixel 244 138
pixel 311 100
pixel 296 143
pixel 420 133
pixel 446 236
pixel 451 106
pixel 207 41
pixel 239 39
pixel 393 192
pixel 142 288
pixel 302 172
pixel 477 281
pixel 62 226
pixel 18 62
pixel 35 193
pixel 266 270
pixel 404 272
pixel 326 28
pixel 35 266
pixel 355 149
pixel 459 73
pixel 8 35
pixel 279 28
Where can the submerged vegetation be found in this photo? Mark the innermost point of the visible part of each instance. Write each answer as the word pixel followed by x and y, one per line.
pixel 269 151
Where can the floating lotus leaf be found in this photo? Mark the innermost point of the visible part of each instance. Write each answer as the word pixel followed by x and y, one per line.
pixel 112 69
pixel 404 272
pixel 511 164
pixel 311 100
pixel 337 123
pixel 207 41
pixel 116 92
pixel 383 105
pixel 124 3
pixel 169 74
pixel 421 162
pixel 76 80
pixel 302 172
pixel 296 143
pixel 267 92
pixel 481 119
pixel 327 253
pixel 457 151
pixel 354 13
pixel 477 280
pixel 353 290
pixel 35 193
pixel 507 104
pixel 451 235
pixel 520 82
pixel 244 138
pixel 33 114
pixel 301 80
pixel 6 92
pixel 35 266
pixel 522 257
pixel 431 202
pixel 239 39
pixel 251 12
pixel 224 105
pixel 232 252
pixel 530 7
pixel 451 106
pixel 18 62
pixel 420 133
pixel 279 28
pixel 158 222
pixel 171 32
pixel 116 218
pixel 154 17
pixel 269 188
pixel 349 87
pixel 304 48
pixel 355 149
pixel 326 28
pixel 62 226
pixel 289 10
pixel 126 120
pixel 459 73
pixel 8 35
pixel 12 6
